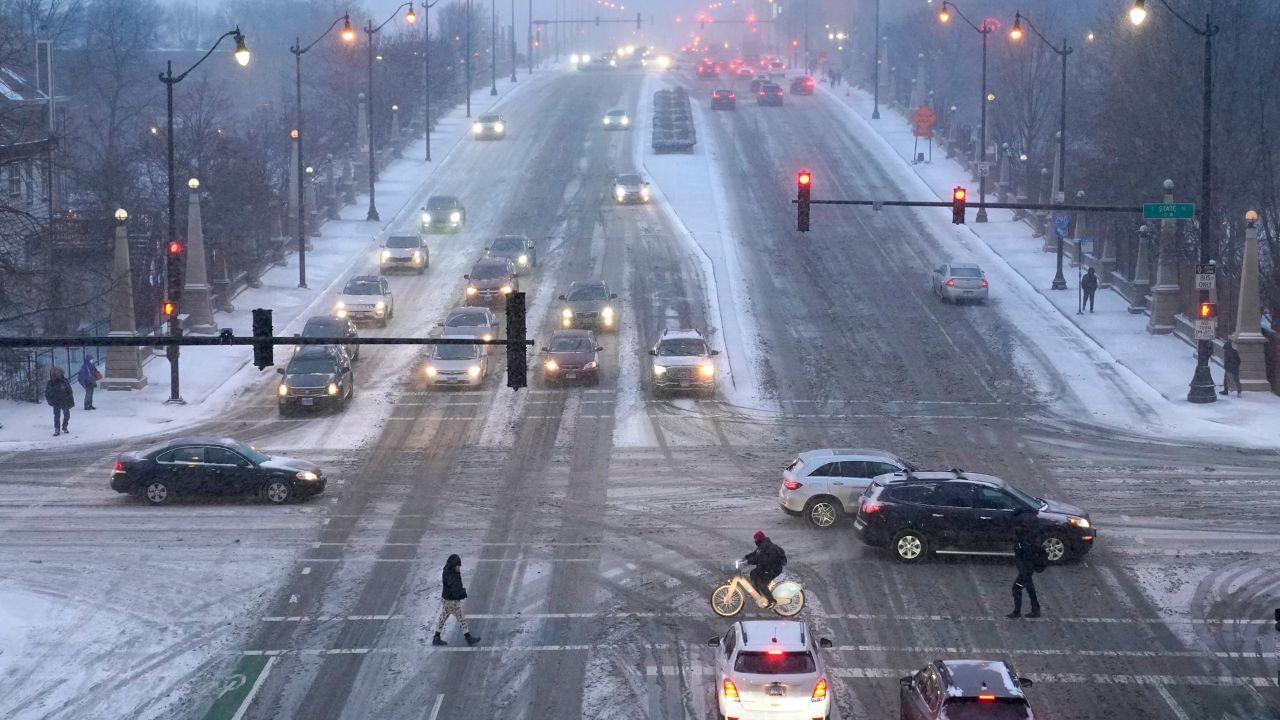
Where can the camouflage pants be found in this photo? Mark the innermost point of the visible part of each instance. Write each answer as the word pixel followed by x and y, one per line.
pixel 454 608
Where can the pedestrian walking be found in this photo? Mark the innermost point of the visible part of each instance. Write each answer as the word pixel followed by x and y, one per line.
pixel 88 378
pixel 453 595
pixel 1231 362
pixel 1029 557
pixel 1089 286
pixel 57 392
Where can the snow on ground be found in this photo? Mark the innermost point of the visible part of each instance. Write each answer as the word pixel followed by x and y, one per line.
pixel 1119 374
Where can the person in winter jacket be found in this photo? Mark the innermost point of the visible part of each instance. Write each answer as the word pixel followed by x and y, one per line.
pixel 1231 362
pixel 88 378
pixel 453 595
pixel 769 559
pixel 1028 556
pixel 57 392
pixel 1089 286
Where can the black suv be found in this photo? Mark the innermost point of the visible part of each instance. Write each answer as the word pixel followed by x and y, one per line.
pixel 963 689
pixel 316 377
pixel 923 512
pixel 324 326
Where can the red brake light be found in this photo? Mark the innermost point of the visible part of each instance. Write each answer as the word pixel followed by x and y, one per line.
pixel 819 691
pixel 730 690
pixel 951 282
pixel 732 95
pixel 119 466
pixel 761 93
pixel 774 652
pixel 984 283
pixel 986 697
pixel 871 507
pixel 788 484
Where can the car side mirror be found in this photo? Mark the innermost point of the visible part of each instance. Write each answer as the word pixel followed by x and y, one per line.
pixel 653 353
pixel 613 296
pixel 713 642
pixel 715 352
pixel 560 297
pixel 599 348
pixel 824 642
pixel 280 370
pixel 545 350
pixel 1025 682
pixel 905 681
pixel 466 277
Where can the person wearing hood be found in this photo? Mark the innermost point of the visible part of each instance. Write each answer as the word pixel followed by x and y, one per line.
pixel 453 595
pixel 88 378
pixel 769 559
pixel 57 392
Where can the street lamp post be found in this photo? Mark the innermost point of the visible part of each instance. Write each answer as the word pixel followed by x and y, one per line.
pixel 242 57
pixel 426 70
pixel 370 31
pixel 467 91
pixel 493 45
pixel 985 30
pixel 512 38
pixel 1202 387
pixel 875 70
pixel 1015 33
pixel 348 36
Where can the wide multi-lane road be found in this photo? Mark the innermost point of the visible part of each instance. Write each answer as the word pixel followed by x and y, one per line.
pixel 593 522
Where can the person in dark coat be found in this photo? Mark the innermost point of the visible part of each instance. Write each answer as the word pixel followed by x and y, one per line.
pixel 453 595
pixel 57 392
pixel 1028 556
pixel 1089 286
pixel 88 378
pixel 769 559
pixel 1231 362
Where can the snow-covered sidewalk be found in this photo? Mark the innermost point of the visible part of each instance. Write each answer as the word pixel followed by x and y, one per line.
pixel 212 377
pixel 1157 368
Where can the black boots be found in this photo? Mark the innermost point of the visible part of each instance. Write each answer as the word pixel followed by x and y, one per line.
pixel 437 641
pixel 472 639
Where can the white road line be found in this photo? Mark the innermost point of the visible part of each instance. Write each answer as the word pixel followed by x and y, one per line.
pixel 253 691
pixel 435 709
pixel 306 570
pixel 1173 704
pixel 423 560
pixel 1158 681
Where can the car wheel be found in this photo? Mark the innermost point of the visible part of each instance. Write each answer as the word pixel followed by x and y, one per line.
pixel 277 491
pixel 157 493
pixel 822 511
pixel 909 546
pixel 1055 548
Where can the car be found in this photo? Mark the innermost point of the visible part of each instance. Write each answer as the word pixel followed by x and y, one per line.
pixel 519 249
pixel 919 512
pixel 769 94
pixel 824 485
pixel 617 120
pixel 964 690
pixel 778 67
pixel 213 466
pixel 724 100
pixel 472 322
pixel 366 297
pixel 489 127
pixel 317 377
pixel 707 71
pixel 771 669
pixel 683 361
pixel 759 82
pixel 404 252
pixel 491 280
pixel 630 188
pixel 455 365
pixel 572 355
pixel 745 71
pixel 803 85
pixel 956 281
pixel 443 213
pixel 588 303
pixel 327 326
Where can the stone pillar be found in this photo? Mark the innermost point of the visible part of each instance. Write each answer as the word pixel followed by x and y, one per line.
pixel 1002 183
pixel 348 182
pixel 313 210
pixel 196 303
pixel 1248 336
pixel 917 83
pixel 362 143
pixel 291 199
pixel 1164 295
pixel 395 123
pixel 1108 255
pixel 124 364
pixel 1142 272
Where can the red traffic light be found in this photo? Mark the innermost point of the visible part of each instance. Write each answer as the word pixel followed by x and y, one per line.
pixel 958 195
pixel 169 308
pixel 175 247
pixel 1208 310
pixel 804 177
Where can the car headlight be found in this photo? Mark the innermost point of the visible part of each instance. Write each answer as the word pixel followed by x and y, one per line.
pixel 455 216
pixel 307 475
pixel 607 120
pixel 551 366
pixel 626 121
pixel 606 313
pixel 523 259
pixel 566 322
pixel 575 58
pixel 283 390
pixel 474 371
pixel 477 128
pixel 380 305
pixel 591 365
pixel 332 389
pixel 1078 522
pixel 429 370
pixel 506 290
pixel 487 337
pixel 417 256
pixel 613 63
pixel 567 314
pixel 659 370
pixel 341 305
pixel 426 217
pixel 707 370
pixel 386 255
pixel 644 193
pixel 620 192
pixel 499 127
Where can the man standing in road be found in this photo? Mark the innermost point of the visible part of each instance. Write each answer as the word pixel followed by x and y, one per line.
pixel 1089 286
pixel 453 595
pixel 1028 556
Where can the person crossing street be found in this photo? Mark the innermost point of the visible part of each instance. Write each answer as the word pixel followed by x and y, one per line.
pixel 453 595
pixel 1029 558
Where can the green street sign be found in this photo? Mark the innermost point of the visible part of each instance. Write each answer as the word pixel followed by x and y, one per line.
pixel 1168 211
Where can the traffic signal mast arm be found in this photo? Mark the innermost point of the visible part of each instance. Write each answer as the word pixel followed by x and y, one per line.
pixel 1006 206
pixel 226 337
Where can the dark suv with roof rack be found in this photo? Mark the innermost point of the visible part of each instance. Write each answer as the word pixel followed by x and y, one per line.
pixel 918 513
pixel 964 690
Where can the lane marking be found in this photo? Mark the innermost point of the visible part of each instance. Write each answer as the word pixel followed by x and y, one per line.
pixel 1158 681
pixel 474 560
pixel 306 570
pixel 435 709
pixel 1173 704
pixel 253 691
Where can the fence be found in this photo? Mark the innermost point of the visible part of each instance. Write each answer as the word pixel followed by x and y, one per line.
pixel 23 373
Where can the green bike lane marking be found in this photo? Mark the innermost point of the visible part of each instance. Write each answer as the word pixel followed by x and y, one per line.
pixel 240 688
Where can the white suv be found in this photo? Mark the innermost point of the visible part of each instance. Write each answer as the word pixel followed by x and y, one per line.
pixel 771 669
pixel 822 485
pixel 682 361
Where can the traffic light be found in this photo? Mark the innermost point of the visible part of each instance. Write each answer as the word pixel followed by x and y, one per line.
pixel 804 183
pixel 1277 619
pixel 263 353
pixel 169 309
pixel 958 197
pixel 637 21
pixel 175 267
pixel 517 367
pixel 1208 311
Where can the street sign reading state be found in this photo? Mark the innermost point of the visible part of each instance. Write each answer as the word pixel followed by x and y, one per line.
pixel 1168 211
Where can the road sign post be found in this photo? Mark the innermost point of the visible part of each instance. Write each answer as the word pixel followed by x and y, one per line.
pixel 1168 211
pixel 1206 276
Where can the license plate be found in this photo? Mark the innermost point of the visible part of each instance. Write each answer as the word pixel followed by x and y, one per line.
pixel 308 401
pixel 684 383
pixel 570 376
pixel 968 292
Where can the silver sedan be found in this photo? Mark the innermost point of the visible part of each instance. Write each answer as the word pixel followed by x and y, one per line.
pixel 956 281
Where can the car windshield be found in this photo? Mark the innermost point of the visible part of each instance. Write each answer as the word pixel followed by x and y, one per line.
pixel 467 319
pixel 403 241
pixel 489 118
pixel 312 366
pixel 456 352
pixel 571 344
pixel 324 327
pixel 617 113
pixel 630 180
pixel 440 204
pixel 362 287
pixel 965 272
pixel 249 451
pixel 682 347
pixel 1029 500
pixel 588 292
pixel 506 246
pixel 975 709
pixel 774 662
pixel 489 271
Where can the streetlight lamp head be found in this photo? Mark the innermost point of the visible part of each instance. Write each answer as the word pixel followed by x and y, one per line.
pixel 991 97
pixel 410 17
pixel 122 215
pixel 1250 217
pixel 193 183
pixel 348 33
pixel 1088 36
pixel 394 108
pixel 1015 32
pixel 944 16
pixel 1080 194
pixel 1167 184
pixel 1138 13
pixel 242 50
pixel 293 134
pixel 309 170
pixel 1022 157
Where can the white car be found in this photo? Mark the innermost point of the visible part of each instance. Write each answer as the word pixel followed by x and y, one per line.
pixel 455 365
pixel 472 322
pixel 366 297
pixel 630 188
pixel 957 281
pixel 682 361
pixel 617 120
pixel 823 485
pixel 771 669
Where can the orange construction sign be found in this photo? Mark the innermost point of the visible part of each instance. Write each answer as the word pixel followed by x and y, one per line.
pixel 924 118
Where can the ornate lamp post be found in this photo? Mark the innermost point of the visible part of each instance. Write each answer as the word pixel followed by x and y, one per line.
pixel 370 31
pixel 944 16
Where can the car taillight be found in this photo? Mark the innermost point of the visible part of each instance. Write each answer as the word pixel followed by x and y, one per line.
pixel 819 691
pixel 951 282
pixel 732 95
pixel 984 283
pixel 870 507
pixel 119 466
pixel 730 690
pixel 761 93
pixel 986 697
pixel 791 484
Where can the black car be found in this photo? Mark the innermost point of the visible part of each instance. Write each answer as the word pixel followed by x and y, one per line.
pixel 491 280
pixel 758 82
pixel 708 71
pixel 213 466
pixel 954 512
pixel 964 690
pixel 316 377
pixel 803 85
pixel 724 100
pixel 589 304
pixel 331 327
pixel 769 94
pixel 443 213
pixel 519 249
